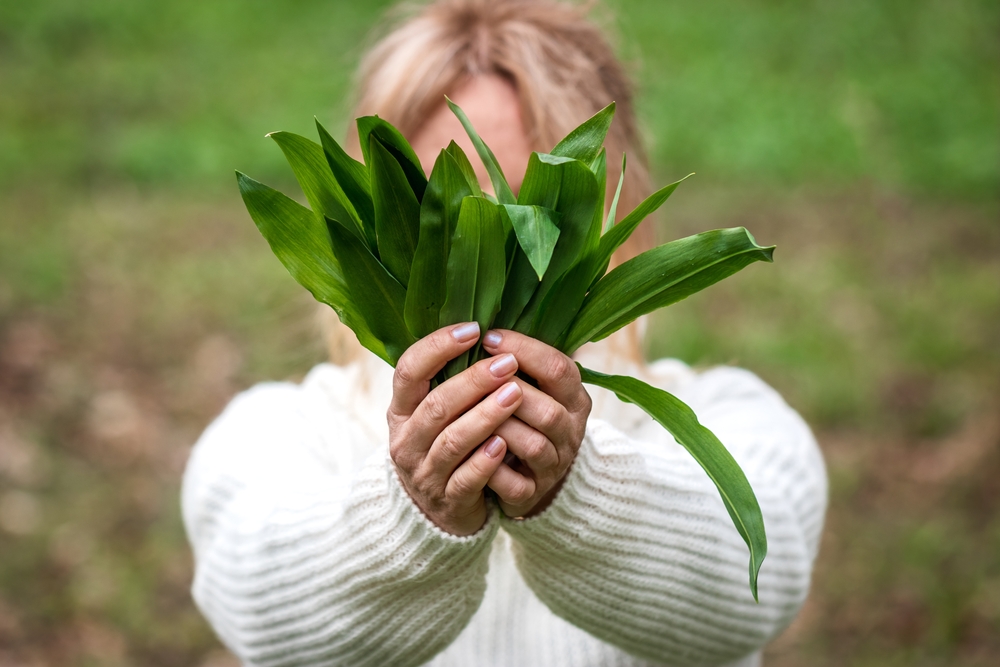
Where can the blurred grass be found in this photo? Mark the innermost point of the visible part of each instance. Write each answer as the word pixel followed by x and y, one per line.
pixel 136 296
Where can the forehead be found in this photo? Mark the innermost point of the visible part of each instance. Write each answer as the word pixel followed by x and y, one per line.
pixel 493 106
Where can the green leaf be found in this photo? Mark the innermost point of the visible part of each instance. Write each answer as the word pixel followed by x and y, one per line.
pixel 675 416
pixel 618 234
pixel 659 277
pixel 397 212
pixel 439 210
pixel 396 144
pixel 537 231
pixel 353 178
pixel 378 297
pixel 327 198
pixel 563 301
pixel 613 211
pixel 570 188
pixel 584 143
pixel 522 281
pixel 301 242
pixel 503 192
pixel 492 269
pixel 600 168
pixel 475 271
pixel 462 160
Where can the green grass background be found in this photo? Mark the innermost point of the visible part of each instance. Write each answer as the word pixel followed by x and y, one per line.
pixel 862 137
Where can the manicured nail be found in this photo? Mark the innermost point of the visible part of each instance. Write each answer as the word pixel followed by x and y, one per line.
pixel 509 395
pixel 503 365
pixel 494 447
pixel 463 333
pixel 492 339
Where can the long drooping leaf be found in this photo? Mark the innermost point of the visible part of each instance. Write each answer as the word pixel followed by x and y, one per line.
pixel 377 296
pixel 397 213
pixel 439 212
pixel 301 242
pixel 675 416
pixel 584 143
pixel 474 278
pixel 503 191
pixel 678 269
pixel 396 144
pixel 537 230
pixel 324 193
pixel 353 178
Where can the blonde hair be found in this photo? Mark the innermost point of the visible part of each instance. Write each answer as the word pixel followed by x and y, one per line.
pixel 560 63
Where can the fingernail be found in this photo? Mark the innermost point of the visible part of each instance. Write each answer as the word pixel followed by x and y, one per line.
pixel 494 447
pixel 503 365
pixel 509 395
pixel 463 333
pixel 492 339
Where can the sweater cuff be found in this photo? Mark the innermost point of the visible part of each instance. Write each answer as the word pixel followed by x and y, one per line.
pixel 413 521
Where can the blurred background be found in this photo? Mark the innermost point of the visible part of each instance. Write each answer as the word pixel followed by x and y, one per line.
pixel 136 296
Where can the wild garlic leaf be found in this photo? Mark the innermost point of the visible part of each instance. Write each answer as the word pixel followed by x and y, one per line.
pixel 660 276
pixel 613 211
pixel 474 278
pixel 500 187
pixel 618 234
pixel 397 213
pixel 301 242
pixel 462 160
pixel 439 211
pixel 576 193
pixel 682 423
pixel 584 142
pixel 396 144
pixel 354 180
pixel 537 230
pixel 377 296
pixel 308 163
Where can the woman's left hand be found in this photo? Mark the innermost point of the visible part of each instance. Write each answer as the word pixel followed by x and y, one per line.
pixel 545 431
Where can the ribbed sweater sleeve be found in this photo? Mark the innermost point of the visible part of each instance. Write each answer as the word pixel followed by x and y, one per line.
pixel 307 553
pixel 637 548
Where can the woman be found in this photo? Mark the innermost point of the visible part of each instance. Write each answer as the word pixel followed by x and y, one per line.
pixel 345 521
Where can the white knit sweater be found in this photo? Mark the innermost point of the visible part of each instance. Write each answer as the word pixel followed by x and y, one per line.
pixel 309 552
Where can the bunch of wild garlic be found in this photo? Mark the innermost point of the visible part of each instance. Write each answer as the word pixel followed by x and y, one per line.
pixel 398 255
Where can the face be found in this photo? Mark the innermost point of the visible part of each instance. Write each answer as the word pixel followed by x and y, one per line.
pixel 491 103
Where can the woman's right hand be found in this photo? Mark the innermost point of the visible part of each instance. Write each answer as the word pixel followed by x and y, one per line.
pixel 442 441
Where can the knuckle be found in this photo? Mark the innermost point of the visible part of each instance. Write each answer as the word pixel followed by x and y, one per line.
pixel 558 366
pixel 550 416
pixel 519 492
pixel 449 445
pixel 536 447
pixel 462 486
pixel 403 375
pixel 434 408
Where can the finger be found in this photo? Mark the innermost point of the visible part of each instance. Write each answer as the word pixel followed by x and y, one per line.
pixel 469 479
pixel 465 433
pixel 458 394
pixel 529 445
pixel 513 489
pixel 421 362
pixel 543 413
pixel 555 373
